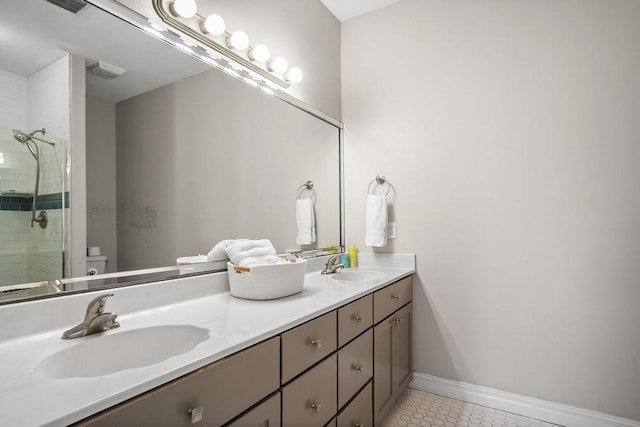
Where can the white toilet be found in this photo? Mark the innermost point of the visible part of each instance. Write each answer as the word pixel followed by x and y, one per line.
pixel 96 264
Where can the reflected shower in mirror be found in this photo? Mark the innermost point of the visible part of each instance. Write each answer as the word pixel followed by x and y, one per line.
pixel 178 155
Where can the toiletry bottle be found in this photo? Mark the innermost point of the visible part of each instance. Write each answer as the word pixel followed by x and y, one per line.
pixel 353 255
pixel 344 259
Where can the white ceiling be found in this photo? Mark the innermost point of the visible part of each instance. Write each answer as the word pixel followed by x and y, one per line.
pixel 347 9
pixel 34 33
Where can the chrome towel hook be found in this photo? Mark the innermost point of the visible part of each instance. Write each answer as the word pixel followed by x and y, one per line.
pixel 307 187
pixel 378 180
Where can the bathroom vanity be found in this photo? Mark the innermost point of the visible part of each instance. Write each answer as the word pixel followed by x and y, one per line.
pixel 339 353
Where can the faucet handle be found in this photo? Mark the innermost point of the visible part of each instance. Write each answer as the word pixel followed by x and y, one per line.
pixel 96 306
pixel 332 260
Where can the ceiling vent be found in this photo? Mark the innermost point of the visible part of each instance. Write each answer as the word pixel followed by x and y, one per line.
pixel 73 6
pixel 106 70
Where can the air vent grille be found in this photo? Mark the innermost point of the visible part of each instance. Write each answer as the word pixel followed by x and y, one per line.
pixel 73 6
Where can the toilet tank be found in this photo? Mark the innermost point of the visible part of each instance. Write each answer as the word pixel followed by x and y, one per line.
pixel 96 265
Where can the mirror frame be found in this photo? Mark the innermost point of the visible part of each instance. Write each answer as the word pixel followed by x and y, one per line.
pixel 75 285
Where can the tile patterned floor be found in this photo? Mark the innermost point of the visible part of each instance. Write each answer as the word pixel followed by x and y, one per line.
pixel 418 408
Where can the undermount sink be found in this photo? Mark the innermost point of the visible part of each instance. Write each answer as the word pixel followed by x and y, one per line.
pixel 348 275
pixel 104 354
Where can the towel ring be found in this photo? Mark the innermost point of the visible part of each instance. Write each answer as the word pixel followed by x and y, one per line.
pixel 378 180
pixel 307 187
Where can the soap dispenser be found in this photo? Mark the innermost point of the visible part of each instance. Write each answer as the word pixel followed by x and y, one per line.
pixel 353 255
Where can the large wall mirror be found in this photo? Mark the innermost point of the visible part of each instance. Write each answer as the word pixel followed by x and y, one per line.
pixel 179 155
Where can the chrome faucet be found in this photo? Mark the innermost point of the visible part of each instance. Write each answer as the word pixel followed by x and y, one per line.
pixel 331 267
pixel 95 320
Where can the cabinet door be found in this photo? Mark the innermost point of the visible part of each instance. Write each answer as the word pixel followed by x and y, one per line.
pixel 403 351
pixel 217 392
pixel 382 369
pixel 267 414
pixel 393 362
pixel 310 400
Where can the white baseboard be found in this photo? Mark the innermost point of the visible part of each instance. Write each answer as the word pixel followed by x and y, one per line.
pixel 543 410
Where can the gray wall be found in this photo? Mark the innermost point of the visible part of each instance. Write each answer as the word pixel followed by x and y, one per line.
pixel 510 131
pixel 101 178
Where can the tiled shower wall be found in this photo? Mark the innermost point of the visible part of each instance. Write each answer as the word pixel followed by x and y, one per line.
pixel 35 102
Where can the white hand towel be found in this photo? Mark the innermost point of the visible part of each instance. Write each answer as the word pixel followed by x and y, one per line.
pixel 219 251
pixel 376 221
pixel 305 222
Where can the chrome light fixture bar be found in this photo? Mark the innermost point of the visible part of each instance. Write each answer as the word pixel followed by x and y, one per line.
pixel 182 16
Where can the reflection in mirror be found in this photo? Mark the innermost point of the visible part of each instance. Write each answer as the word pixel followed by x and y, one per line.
pixel 178 155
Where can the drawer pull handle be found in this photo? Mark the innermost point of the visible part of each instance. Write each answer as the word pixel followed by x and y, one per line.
pixel 356 367
pixel 316 407
pixel 396 321
pixel 356 317
pixel 357 424
pixel 196 414
pixel 317 343
pixel 394 296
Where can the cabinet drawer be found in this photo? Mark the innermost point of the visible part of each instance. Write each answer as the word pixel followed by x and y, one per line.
pixel 267 414
pixel 354 318
pixel 222 389
pixel 358 413
pixel 355 366
pixel 306 344
pixel 311 399
pixel 391 298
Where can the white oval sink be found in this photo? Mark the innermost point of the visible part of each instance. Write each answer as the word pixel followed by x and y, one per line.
pixel 357 275
pixel 98 355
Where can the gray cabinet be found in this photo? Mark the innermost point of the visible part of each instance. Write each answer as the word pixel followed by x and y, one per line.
pixel 393 367
pixel 210 396
pixel 327 371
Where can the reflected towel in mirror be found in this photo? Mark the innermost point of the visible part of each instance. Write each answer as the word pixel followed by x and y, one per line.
pixel 305 222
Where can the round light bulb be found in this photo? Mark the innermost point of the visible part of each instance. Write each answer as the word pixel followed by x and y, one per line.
pixel 294 75
pixel 238 40
pixel 184 8
pixel 278 64
pixel 214 25
pixel 259 53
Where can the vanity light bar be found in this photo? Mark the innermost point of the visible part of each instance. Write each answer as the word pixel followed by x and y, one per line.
pixel 210 57
pixel 211 32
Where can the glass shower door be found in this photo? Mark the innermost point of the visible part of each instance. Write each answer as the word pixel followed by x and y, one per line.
pixel 32 181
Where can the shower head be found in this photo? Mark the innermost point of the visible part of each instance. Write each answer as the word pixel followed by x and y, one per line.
pixel 26 140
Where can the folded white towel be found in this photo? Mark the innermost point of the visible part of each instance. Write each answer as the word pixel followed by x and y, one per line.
pixel 376 221
pixel 305 222
pixel 219 251
pixel 252 252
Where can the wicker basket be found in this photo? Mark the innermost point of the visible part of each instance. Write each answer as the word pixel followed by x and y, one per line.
pixel 267 281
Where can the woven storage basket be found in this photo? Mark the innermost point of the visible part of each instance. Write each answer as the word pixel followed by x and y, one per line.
pixel 267 281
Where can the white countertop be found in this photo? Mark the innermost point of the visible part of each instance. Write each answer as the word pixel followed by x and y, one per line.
pixel 32 330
